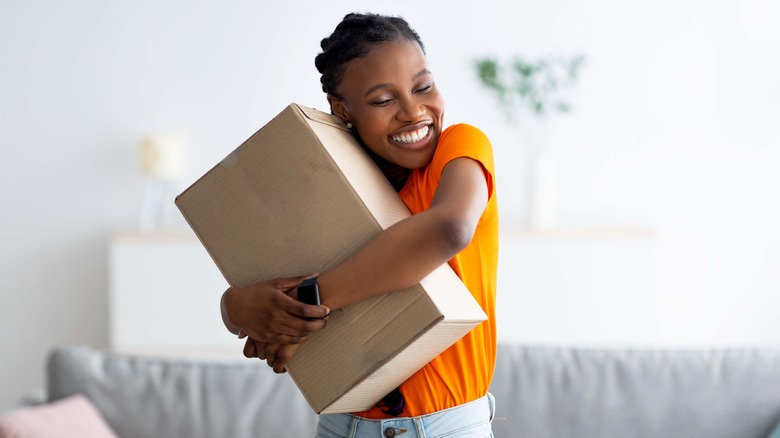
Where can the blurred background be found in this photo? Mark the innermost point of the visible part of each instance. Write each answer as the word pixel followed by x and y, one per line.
pixel 666 211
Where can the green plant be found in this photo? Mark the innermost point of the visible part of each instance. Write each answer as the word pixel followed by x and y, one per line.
pixel 536 86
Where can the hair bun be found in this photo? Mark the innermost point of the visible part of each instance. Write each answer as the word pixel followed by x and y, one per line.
pixel 325 43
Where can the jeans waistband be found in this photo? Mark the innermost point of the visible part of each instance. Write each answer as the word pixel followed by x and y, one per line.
pixel 477 413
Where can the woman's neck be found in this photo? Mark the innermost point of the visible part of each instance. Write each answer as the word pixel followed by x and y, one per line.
pixel 394 173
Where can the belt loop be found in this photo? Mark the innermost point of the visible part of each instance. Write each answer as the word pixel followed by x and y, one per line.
pixel 420 426
pixel 492 406
pixel 353 426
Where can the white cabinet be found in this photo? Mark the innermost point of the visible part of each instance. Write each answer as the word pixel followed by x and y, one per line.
pixel 577 286
pixel 164 293
pixel 567 286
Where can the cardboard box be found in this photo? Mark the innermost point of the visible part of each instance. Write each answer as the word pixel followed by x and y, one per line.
pixel 298 197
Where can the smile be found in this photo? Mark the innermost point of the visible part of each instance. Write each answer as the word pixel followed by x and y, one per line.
pixel 411 137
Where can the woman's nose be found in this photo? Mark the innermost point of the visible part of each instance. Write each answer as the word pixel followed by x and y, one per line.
pixel 410 110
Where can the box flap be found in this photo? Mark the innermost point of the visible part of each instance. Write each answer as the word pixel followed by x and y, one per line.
pixel 321 117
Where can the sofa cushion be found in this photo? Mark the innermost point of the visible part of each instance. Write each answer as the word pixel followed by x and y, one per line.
pixel 74 416
pixel 144 397
pixel 559 392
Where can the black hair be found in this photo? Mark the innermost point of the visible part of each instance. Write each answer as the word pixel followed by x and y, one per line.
pixel 353 38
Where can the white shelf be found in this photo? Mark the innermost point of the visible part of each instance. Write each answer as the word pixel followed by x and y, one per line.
pixel 160 235
pixel 579 232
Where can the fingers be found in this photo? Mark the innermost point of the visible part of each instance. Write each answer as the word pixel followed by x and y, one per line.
pixel 302 327
pixel 316 312
pixel 276 355
pixel 250 350
pixel 271 352
pixel 288 332
pixel 299 309
pixel 287 339
pixel 281 357
pixel 280 367
pixel 261 348
pixel 254 349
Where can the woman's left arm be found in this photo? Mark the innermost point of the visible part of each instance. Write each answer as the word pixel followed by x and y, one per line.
pixel 412 248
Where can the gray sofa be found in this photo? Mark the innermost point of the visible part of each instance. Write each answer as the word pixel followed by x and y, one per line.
pixel 540 392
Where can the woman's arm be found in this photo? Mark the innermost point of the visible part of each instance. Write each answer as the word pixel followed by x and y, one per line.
pixel 266 312
pixel 407 251
pixel 411 249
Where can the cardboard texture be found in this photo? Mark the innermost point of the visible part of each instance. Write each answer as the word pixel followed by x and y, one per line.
pixel 296 198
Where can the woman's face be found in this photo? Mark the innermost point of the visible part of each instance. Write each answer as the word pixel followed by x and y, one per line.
pixel 391 99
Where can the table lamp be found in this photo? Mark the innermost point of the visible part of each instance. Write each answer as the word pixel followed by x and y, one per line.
pixel 161 160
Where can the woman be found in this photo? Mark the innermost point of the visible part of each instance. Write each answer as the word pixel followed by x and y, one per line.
pixel 377 80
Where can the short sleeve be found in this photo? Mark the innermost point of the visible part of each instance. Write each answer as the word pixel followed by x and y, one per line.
pixel 464 140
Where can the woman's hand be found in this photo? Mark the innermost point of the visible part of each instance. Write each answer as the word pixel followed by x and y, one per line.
pixel 276 355
pixel 266 313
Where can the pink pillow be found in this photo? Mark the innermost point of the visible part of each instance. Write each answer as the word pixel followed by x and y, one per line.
pixel 74 416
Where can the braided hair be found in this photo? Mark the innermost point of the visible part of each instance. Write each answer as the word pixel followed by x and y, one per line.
pixel 353 38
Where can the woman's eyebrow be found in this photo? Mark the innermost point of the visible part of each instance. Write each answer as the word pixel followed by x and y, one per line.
pixel 416 76
pixel 376 87
pixel 421 73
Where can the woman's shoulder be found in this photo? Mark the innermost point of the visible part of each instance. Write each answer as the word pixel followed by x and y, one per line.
pixel 463 130
pixel 463 135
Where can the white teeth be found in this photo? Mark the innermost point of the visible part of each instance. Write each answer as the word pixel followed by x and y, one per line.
pixel 411 137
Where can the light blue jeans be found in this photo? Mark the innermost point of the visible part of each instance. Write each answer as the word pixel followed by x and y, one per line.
pixel 470 420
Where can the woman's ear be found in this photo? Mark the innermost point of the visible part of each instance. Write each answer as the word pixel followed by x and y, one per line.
pixel 337 107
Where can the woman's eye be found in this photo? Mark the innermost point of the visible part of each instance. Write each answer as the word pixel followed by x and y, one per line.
pixel 425 89
pixel 382 102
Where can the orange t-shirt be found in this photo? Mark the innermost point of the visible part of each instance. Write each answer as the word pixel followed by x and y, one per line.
pixel 463 372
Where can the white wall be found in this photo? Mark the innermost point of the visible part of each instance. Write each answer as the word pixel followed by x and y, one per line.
pixel 675 128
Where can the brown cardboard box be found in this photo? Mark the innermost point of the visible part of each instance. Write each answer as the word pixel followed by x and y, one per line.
pixel 298 197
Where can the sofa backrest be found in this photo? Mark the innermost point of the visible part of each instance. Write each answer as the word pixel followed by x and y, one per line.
pixel 144 397
pixel 561 393
pixel 540 393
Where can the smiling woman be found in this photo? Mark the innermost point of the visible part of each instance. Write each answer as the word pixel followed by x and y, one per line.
pixel 378 82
